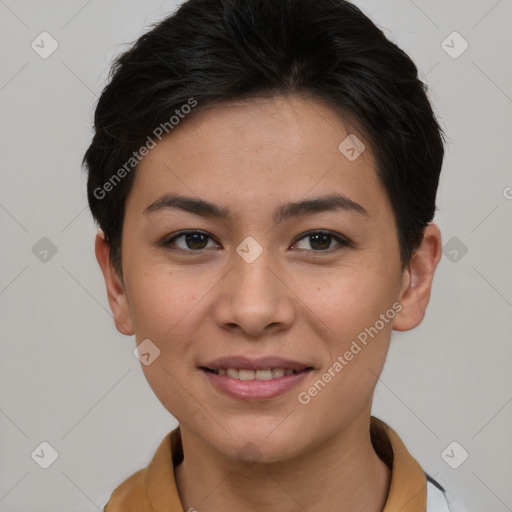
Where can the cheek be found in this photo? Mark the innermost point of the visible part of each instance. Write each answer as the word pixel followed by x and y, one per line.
pixel 348 299
pixel 167 306
pixel 355 307
pixel 162 300
pixel 345 386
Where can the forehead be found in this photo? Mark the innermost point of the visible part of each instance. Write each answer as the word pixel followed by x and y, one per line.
pixel 286 123
pixel 260 149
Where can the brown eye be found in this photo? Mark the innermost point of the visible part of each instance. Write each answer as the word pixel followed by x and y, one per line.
pixel 189 241
pixel 321 241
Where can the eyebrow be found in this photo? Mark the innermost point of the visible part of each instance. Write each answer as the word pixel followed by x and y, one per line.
pixel 283 212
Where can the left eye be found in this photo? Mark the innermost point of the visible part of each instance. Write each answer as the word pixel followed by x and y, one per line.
pixel 321 240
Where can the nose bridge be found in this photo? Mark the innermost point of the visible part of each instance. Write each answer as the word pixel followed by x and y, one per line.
pixel 254 284
pixel 254 279
pixel 253 297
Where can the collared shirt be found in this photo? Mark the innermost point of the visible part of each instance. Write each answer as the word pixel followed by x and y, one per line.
pixel 153 489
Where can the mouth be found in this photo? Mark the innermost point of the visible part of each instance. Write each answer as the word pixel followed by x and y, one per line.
pixel 245 379
pixel 247 374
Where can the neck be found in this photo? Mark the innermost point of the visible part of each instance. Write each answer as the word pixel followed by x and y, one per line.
pixel 344 473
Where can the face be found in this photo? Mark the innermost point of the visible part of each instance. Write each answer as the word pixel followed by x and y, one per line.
pixel 294 258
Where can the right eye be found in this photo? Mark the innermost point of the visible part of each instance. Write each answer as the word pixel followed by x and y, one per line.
pixel 191 241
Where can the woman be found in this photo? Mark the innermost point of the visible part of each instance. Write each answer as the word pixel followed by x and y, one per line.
pixel 264 174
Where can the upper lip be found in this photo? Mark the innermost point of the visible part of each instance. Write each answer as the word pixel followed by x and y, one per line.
pixel 255 364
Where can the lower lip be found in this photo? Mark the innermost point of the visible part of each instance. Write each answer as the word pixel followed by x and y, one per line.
pixel 255 389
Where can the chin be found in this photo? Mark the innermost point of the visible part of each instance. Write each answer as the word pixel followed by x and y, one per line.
pixel 264 441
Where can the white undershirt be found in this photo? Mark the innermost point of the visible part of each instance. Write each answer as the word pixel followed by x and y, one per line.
pixel 438 501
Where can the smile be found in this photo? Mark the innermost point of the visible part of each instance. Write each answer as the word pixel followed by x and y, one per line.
pixel 263 374
pixel 255 385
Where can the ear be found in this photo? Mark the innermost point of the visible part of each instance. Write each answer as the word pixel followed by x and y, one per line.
pixel 115 288
pixel 417 280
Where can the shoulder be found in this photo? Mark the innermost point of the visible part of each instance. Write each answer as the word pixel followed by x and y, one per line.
pixel 153 487
pixel 130 495
pixel 440 500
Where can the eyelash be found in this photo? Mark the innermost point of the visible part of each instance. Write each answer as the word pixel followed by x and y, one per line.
pixel 342 241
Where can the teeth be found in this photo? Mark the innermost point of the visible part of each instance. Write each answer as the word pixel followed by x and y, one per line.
pixel 232 373
pixel 266 374
pixel 245 374
pixel 263 374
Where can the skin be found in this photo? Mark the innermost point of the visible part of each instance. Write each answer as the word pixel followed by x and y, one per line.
pixel 293 301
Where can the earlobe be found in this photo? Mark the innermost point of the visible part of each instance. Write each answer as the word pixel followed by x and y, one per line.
pixel 417 280
pixel 116 293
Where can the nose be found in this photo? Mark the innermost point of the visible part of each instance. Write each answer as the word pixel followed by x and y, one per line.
pixel 254 298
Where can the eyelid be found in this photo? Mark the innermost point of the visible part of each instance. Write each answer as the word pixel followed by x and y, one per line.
pixel 342 240
pixel 166 242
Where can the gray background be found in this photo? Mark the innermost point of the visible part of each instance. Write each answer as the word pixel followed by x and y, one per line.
pixel 69 378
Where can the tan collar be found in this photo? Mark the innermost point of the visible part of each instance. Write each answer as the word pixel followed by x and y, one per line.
pixel 408 489
pixel 153 489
